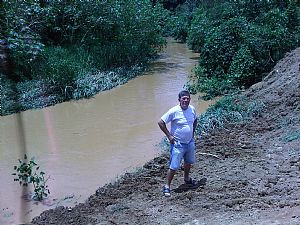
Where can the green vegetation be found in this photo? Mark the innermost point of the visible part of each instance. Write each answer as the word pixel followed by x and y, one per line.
pixel 180 20
pixel 228 109
pixel 292 136
pixel 52 47
pixel 9 102
pixel 28 173
pixel 238 41
pixel 54 51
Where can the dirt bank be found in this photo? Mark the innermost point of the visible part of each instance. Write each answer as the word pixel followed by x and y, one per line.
pixel 255 180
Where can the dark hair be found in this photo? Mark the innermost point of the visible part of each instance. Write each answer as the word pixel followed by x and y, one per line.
pixel 183 93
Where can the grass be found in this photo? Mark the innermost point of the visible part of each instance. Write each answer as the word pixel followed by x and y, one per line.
pixel 87 85
pixel 228 109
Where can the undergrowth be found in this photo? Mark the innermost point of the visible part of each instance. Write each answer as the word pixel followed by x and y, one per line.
pixel 228 109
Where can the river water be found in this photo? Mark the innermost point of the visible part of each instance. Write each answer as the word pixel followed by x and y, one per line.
pixel 82 145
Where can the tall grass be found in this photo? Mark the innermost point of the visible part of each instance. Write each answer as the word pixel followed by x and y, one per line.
pixel 87 85
pixel 62 65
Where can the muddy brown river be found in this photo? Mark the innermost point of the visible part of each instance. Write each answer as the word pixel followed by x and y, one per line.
pixel 82 145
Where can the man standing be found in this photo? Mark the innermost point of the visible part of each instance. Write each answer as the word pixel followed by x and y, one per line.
pixel 183 121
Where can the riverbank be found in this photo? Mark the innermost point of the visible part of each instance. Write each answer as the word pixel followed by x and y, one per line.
pixel 253 179
pixel 37 94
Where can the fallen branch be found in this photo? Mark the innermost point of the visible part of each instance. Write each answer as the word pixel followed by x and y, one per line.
pixel 209 154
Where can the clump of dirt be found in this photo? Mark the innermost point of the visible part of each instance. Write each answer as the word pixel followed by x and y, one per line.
pixel 253 180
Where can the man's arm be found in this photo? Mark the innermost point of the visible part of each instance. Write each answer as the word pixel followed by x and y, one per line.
pixel 162 125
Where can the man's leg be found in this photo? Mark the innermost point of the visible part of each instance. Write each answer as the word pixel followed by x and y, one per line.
pixel 175 158
pixel 187 168
pixel 166 188
pixel 170 176
pixel 189 159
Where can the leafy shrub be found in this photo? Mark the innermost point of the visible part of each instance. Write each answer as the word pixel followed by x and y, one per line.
pixel 221 46
pixel 25 48
pixel 29 173
pixel 23 21
pixel 242 68
pixel 199 30
pixel 112 34
pixel 269 39
pixel 238 42
pixel 180 20
pixel 179 28
pixel 211 86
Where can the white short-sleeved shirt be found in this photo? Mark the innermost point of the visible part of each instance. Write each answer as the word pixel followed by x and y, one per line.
pixel 181 122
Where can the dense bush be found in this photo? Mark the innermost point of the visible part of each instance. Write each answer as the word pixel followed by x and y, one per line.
pixel 242 68
pixel 62 65
pixel 239 42
pixel 57 42
pixel 180 20
pixel 22 22
pixel 113 33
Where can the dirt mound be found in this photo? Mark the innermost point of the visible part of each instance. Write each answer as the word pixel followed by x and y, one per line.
pixel 281 88
pixel 254 180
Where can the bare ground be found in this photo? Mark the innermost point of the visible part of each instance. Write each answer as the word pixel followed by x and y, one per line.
pixel 255 180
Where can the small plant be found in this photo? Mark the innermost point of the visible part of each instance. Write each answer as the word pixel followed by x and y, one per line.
pixel 291 137
pixel 29 173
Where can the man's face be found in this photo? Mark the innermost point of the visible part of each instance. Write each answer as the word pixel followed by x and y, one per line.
pixel 184 102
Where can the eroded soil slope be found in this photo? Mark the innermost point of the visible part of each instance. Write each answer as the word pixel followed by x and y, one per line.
pixel 254 180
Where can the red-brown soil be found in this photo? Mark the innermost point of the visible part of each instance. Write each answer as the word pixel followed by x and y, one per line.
pixel 254 181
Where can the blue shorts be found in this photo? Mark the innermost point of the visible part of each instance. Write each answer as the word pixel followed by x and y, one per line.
pixel 181 151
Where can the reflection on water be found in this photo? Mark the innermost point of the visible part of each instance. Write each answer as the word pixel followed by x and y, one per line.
pixel 84 144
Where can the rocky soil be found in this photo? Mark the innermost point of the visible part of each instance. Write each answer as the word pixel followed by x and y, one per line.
pixel 253 180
